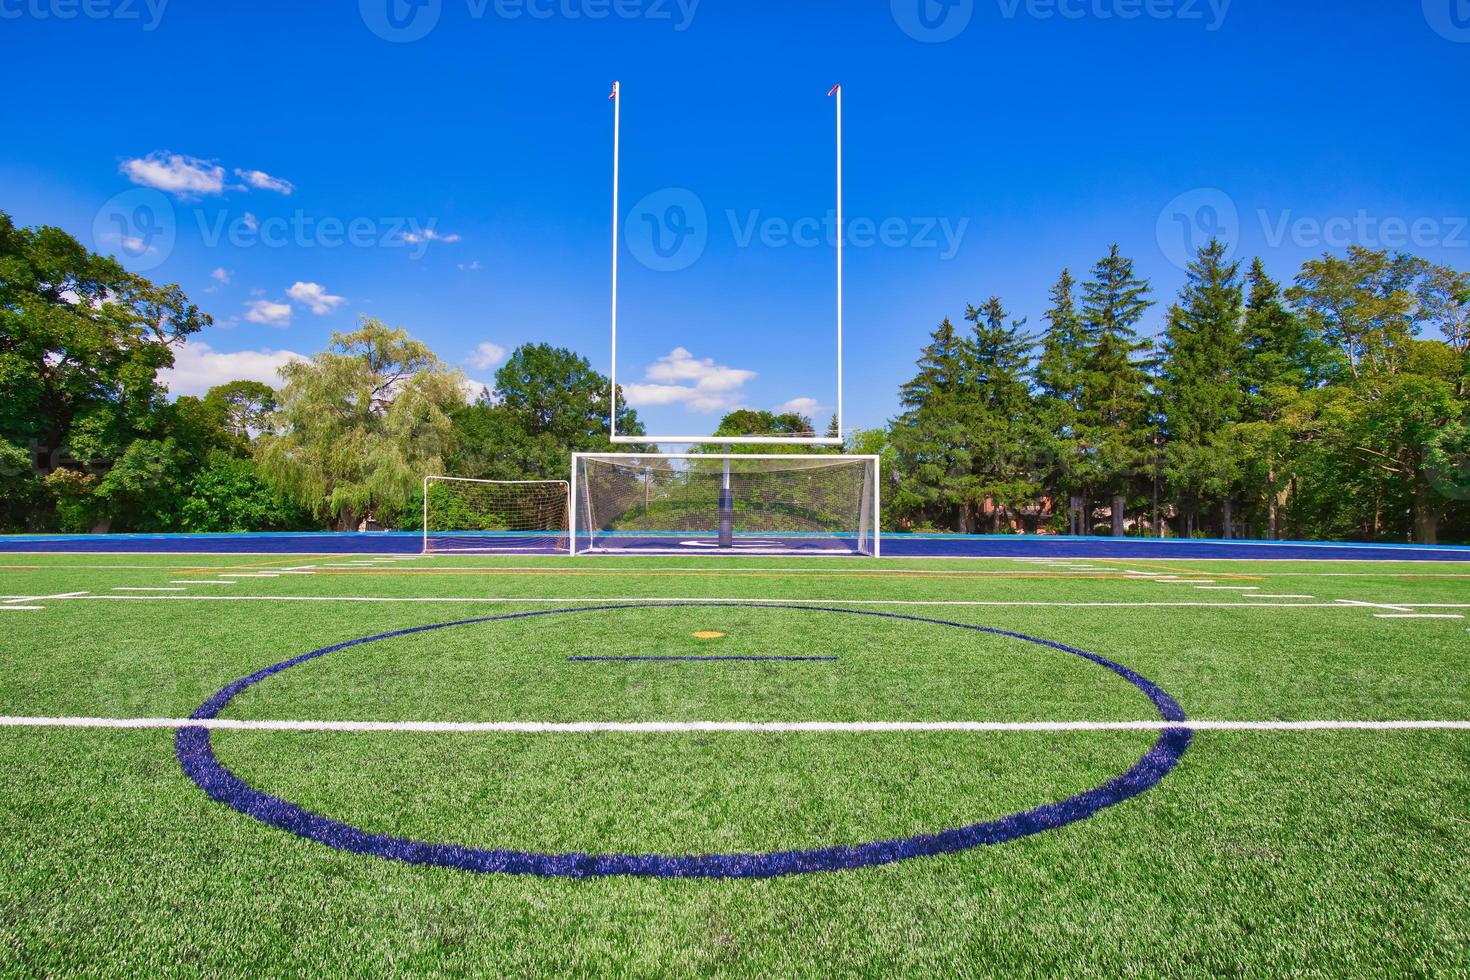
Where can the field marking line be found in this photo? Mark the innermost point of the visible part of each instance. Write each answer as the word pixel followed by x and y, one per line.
pixel 735 572
pixel 217 569
pixel 20 608
pixel 1417 616
pixel 1227 588
pixel 1276 595
pixel 1188 581
pixel 143 588
pixel 986 603
pixel 199 581
pixel 1374 605
pixel 40 598
pixel 682 727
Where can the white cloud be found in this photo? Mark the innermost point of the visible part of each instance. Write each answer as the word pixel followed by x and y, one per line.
pixel 136 246
pixel 469 266
pixel 250 221
pixel 221 276
pixel 199 367
pixel 809 407
pixel 180 175
pixel 487 355
pixel 473 389
pixel 429 235
pixel 268 311
pixel 715 387
pixel 263 181
pixel 315 297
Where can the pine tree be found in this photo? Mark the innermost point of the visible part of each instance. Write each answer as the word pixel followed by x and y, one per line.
pixel 1001 412
pixel 1059 390
pixel 1201 383
pixel 1113 423
pixel 932 438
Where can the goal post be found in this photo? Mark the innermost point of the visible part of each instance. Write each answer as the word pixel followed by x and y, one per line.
pixel 725 503
pixel 467 516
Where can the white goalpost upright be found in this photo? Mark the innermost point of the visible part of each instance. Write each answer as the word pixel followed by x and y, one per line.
pixel 468 516
pixel 753 440
pixel 731 503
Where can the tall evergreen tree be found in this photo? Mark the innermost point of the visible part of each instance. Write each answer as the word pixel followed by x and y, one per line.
pixel 932 437
pixel 1201 384
pixel 1113 422
pixel 1059 389
pixel 1001 412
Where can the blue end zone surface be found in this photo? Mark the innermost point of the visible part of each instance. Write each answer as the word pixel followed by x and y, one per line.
pixel 894 546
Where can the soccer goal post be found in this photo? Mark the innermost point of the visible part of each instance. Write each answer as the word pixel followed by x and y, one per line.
pixel 496 516
pixel 725 504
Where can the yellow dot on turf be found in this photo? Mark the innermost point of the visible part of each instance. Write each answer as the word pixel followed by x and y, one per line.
pixel 708 635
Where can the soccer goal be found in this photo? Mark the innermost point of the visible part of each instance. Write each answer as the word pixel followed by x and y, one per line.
pixel 725 504
pixel 488 516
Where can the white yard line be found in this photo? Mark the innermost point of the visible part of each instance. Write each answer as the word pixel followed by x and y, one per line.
pixel 1416 616
pixel 200 581
pixel 1276 595
pixel 1227 588
pixel 681 727
pixel 141 588
pixel 20 608
pixel 1374 605
pixel 41 598
pixel 1188 581
pixel 746 600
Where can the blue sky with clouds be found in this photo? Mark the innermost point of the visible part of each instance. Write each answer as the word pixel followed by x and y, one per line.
pixel 444 165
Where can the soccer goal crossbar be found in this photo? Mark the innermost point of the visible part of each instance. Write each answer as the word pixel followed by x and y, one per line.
pixel 728 503
pixel 496 516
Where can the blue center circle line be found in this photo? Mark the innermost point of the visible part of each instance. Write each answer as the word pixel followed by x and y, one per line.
pixel 195 752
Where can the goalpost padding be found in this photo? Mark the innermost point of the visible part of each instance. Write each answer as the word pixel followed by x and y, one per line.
pixel 725 504
pixel 496 516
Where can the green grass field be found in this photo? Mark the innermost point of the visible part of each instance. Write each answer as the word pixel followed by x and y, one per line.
pixel 1335 851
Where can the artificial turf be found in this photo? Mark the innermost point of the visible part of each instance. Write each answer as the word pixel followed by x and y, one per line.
pixel 1336 852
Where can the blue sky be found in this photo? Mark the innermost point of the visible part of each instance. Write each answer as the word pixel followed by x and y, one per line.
pixel 445 166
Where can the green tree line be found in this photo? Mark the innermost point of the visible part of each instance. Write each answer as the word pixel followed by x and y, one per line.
pixel 1333 407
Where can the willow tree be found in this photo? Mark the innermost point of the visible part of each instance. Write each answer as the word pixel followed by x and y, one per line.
pixel 361 424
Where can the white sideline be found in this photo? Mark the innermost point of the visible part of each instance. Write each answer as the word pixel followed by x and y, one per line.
pixel 1343 604
pixel 678 727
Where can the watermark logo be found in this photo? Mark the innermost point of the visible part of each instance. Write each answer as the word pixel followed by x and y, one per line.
pixel 668 230
pixel 932 21
pixel 148 13
pixel 1210 13
pixel 1194 219
pixel 1449 18
pixel 139 226
pixel 400 21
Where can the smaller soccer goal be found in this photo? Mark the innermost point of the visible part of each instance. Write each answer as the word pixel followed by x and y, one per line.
pixel 463 516
pixel 725 504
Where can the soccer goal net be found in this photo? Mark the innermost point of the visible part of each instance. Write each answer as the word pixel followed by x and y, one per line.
pixel 486 516
pixel 724 504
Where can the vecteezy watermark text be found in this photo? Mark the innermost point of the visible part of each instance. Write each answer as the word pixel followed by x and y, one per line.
pixel 148 13
pixel 936 21
pixel 1195 218
pixel 669 230
pixel 402 21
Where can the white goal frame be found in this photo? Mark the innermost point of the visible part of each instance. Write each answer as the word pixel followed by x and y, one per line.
pixel 565 485
pixel 623 440
pixel 875 463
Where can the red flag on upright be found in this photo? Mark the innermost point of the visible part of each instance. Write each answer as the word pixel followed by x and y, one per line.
pixel 614 94
pixel 834 89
